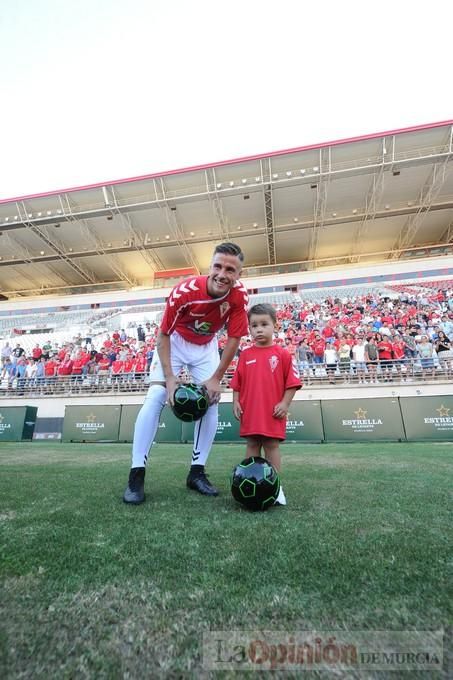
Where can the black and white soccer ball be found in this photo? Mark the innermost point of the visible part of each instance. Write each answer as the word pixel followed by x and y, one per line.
pixel 255 483
pixel 190 402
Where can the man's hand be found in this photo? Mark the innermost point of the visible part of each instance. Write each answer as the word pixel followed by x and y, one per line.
pixel 171 384
pixel 214 390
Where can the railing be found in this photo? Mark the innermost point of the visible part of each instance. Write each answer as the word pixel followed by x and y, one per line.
pixel 314 375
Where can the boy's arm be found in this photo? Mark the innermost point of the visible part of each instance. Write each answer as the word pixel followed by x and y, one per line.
pixel 281 409
pixel 237 410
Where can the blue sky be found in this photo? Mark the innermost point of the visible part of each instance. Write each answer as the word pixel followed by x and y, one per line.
pixel 96 91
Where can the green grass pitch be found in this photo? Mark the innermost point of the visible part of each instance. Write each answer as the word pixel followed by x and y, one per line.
pixel 92 588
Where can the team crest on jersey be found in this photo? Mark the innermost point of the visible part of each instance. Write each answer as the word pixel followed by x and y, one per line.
pixel 273 362
pixel 224 307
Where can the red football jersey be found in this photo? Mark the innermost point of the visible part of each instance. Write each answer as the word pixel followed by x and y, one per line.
pixel 385 349
pixel 197 316
pixel 140 364
pixel 50 367
pixel 129 365
pixel 261 378
pixel 65 368
pixel 77 366
pixel 117 366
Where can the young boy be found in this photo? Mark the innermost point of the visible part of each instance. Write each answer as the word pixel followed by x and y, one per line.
pixel 264 385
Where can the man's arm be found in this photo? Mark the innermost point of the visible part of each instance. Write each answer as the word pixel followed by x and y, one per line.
pixel 164 351
pixel 213 384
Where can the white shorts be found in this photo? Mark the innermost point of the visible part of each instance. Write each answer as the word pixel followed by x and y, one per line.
pixel 201 360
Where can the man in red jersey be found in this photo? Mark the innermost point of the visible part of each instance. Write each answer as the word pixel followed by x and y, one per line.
pixel 196 310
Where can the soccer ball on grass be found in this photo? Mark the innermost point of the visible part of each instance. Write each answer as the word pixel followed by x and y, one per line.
pixel 255 483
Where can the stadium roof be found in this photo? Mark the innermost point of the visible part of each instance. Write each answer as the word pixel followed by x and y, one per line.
pixel 364 200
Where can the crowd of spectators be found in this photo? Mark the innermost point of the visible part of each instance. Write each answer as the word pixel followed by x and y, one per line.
pixel 365 339
pixel 370 338
pixel 119 361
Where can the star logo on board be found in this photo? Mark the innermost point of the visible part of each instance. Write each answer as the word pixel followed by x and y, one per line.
pixel 91 418
pixel 360 413
pixel 443 411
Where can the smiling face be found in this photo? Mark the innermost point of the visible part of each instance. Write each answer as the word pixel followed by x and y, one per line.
pixel 223 273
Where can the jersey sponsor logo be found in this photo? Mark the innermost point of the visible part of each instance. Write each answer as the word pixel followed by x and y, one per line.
pixel 202 327
pixel 252 361
pixel 273 362
pixel 195 314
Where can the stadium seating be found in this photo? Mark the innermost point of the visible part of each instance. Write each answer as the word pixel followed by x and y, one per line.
pixel 68 330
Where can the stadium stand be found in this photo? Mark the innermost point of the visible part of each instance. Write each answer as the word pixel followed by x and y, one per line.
pixel 348 240
pixel 411 326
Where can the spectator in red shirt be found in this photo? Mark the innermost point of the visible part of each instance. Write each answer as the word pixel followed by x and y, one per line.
pixel 128 369
pixel 104 368
pixel 50 371
pixel 398 352
pixel 117 371
pixel 65 367
pixel 77 368
pixel 318 345
pixel 140 367
pixel 36 352
pixel 385 349
pixel 328 331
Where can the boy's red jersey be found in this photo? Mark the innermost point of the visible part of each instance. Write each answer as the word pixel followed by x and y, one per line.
pixel 261 378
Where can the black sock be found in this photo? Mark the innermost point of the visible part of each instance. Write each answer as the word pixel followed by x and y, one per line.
pixel 196 469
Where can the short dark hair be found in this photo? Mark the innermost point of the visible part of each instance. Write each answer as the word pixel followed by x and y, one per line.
pixel 262 309
pixel 229 249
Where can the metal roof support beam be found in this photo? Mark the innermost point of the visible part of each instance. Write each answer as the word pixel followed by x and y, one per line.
pixel 401 161
pixel 97 245
pixel 269 218
pixel 85 274
pixel 216 203
pixel 109 258
pixel 26 258
pixel 320 202
pixel 109 196
pixel 428 195
pixel 372 201
pixel 138 239
pixel 176 227
pixel 447 236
